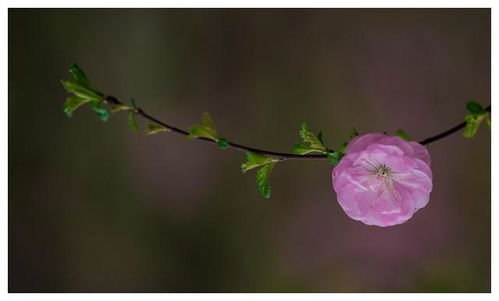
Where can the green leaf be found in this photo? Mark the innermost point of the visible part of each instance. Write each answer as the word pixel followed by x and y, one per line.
pixel 402 134
pixel 302 149
pixel 334 157
pixel 205 129
pixel 116 108
pixel 311 142
pixel 254 160
pixel 79 85
pixel 78 75
pixel 132 122
pixel 262 179
pixel 82 91
pixel 153 129
pixel 134 105
pixel 474 118
pixel 475 108
pixel 489 123
pixel 472 124
pixel 314 141
pixel 101 112
pixel 72 103
pixel 223 143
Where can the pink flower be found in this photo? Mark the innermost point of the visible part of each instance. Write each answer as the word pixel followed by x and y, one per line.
pixel 382 180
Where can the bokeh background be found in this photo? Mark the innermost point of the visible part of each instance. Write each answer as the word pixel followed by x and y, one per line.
pixel 94 207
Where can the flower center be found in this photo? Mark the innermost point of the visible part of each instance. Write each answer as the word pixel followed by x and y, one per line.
pixel 382 171
pixel 384 174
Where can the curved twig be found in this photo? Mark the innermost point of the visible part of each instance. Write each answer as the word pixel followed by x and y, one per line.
pixel 278 155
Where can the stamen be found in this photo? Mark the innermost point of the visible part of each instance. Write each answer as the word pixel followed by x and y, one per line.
pixel 383 173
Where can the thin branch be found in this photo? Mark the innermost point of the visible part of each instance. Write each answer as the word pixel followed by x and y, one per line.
pixel 232 145
pixel 448 132
pixel 278 155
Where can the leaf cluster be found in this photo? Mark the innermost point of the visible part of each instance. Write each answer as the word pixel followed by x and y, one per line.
pixel 310 142
pixel 476 114
pixel 265 165
pixel 206 129
pixel 83 92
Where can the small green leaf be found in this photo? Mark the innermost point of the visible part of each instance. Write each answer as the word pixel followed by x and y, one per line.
pixel 311 142
pixel 72 103
pixel 82 91
pixel 101 112
pixel 262 179
pixel 204 129
pixel 266 163
pixel 334 157
pixel 132 122
pixel 314 141
pixel 78 75
pixel 475 108
pixel 79 85
pixel 116 108
pixel 489 123
pixel 302 149
pixel 254 160
pixel 134 105
pixel 402 134
pixel 223 143
pixel 472 124
pixel 474 118
pixel 153 129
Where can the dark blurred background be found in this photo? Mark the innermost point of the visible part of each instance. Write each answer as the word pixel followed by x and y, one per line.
pixel 94 207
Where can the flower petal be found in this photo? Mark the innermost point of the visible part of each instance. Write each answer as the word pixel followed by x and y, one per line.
pixel 421 152
pixel 362 142
pixel 405 146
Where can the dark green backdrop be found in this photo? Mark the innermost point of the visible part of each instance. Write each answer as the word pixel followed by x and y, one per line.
pixel 94 207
